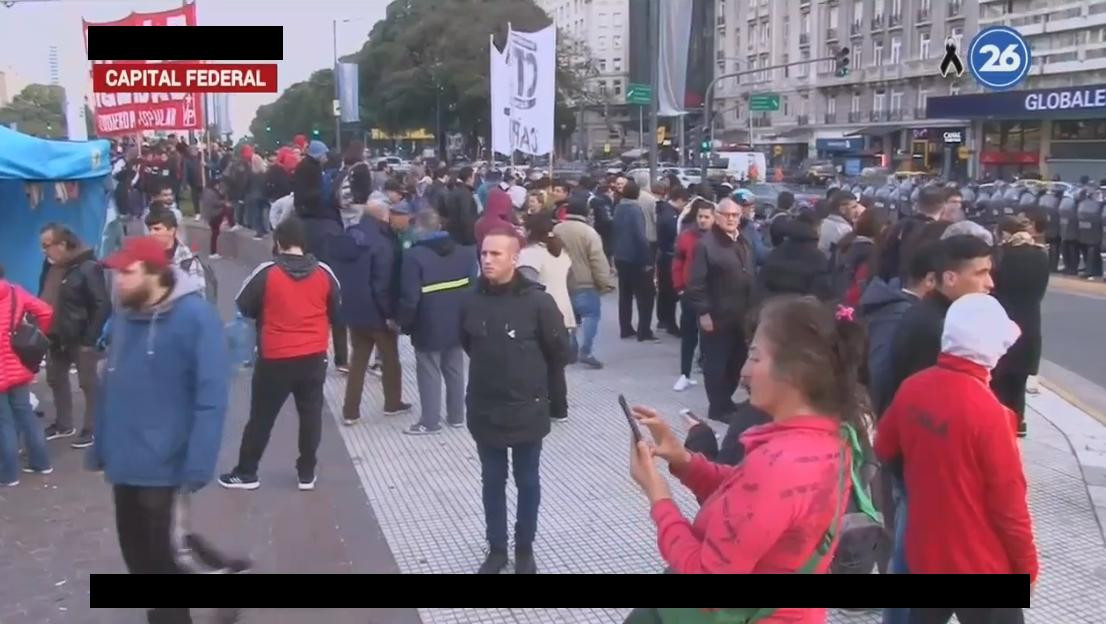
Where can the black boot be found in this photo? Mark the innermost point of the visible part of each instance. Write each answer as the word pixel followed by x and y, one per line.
pixel 524 560
pixel 494 563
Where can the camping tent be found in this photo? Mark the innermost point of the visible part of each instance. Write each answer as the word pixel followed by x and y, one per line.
pixel 43 181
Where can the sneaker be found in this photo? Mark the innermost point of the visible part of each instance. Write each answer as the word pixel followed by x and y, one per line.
pixel 1022 432
pixel 307 482
pixel 374 369
pixel 559 419
pixel 44 471
pixel 235 481
pixel 683 383
pixel 524 561
pixel 402 409
pixel 214 257
pixel 54 433
pixel 494 562
pixel 457 425
pixel 591 362
pixel 84 440
pixel 650 338
pixel 349 422
pixel 418 429
pixel 259 237
pixel 342 368
pixel 16 482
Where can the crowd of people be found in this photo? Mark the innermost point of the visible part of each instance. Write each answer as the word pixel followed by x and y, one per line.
pixel 867 345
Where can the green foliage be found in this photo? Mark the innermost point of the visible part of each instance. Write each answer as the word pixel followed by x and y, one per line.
pixel 425 55
pixel 38 110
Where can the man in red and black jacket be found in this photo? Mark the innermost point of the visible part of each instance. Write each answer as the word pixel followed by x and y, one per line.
pixel 293 299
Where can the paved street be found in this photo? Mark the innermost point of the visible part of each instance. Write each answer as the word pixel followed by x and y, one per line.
pixel 387 502
pixel 1073 324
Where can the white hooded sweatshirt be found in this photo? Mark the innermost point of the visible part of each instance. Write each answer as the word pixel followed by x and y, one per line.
pixel 978 329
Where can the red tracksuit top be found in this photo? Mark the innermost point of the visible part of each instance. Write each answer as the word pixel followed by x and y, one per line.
pixel 765 515
pixel 968 511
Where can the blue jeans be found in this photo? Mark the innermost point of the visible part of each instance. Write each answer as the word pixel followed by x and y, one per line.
pixel 526 459
pixel 17 420
pixel 898 615
pixel 259 215
pixel 585 303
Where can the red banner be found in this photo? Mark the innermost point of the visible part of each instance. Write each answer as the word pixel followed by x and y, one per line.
pixel 128 113
pixel 193 77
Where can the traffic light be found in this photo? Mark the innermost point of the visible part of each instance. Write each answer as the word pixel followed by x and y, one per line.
pixel 841 62
pixel 268 128
pixel 704 146
pixel 315 132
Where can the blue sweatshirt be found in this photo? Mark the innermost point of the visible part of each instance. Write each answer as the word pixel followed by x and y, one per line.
pixel 163 397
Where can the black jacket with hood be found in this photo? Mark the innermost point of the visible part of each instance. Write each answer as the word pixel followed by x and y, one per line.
pixel 514 335
pixel 83 304
pixel 796 266
pixel 721 279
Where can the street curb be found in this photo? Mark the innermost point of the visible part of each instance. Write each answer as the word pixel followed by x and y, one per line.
pixel 1075 401
pixel 1077 286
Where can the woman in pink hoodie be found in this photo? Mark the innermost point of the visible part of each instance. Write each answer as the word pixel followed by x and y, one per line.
pixel 770 513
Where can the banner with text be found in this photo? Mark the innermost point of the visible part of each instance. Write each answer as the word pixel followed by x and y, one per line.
pixel 128 113
pixel 531 60
pixel 499 99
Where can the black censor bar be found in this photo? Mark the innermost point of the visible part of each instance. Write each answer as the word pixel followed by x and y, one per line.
pixel 951 59
pixel 186 43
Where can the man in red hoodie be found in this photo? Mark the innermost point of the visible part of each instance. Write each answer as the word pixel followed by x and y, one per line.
pixel 968 512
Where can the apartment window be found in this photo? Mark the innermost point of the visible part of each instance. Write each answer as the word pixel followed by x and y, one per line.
pixel 877 53
pixel 896 50
pixel 602 20
pixel 603 87
pixel 896 8
pixel 855 105
pixel 603 65
pixel 752 35
pixel 616 19
pixel 618 87
pixel 957 33
pixel 616 62
pixel 804 104
pixel 786 70
pixel 804 23
pixel 857 56
pixel 923 45
pixel 764 75
pixel 765 34
pixel 831 17
pixel 954 89
pixel 923 96
pixel 616 42
pixel 877 101
pixel 925 4
pixel 878 12
pixel 804 69
pixel 858 11
pixel 601 42
pixel 896 101
pixel 831 105
pixel 721 12
pixel 786 105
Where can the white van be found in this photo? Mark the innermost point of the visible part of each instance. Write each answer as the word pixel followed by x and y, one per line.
pixel 738 165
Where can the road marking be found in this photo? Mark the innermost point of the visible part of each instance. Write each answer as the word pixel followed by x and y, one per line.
pixel 1070 397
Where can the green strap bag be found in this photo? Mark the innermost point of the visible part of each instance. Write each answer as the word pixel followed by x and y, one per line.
pixel 750 616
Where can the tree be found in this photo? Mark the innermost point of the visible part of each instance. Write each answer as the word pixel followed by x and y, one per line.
pixel 428 58
pixel 303 108
pixel 38 110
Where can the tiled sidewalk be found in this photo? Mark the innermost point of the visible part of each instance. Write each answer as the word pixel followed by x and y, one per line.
pixel 426 490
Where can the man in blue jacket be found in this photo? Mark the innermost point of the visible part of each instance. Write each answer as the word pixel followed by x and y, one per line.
pixel 363 259
pixel 633 257
pixel 161 408
pixel 437 277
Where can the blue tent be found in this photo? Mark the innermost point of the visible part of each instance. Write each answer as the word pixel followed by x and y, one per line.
pixel 43 181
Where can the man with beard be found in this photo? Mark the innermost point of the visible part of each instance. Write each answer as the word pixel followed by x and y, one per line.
pixel 72 282
pixel 167 350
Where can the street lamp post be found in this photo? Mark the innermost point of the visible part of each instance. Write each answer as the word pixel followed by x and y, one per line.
pixel 337 96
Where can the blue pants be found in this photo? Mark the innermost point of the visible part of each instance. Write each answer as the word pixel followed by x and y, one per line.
pixel 898 615
pixel 586 305
pixel 689 336
pixel 17 420
pixel 526 459
pixel 259 215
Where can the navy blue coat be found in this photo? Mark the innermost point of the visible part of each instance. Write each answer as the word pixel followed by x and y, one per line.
pixel 630 244
pixel 363 258
pixel 437 276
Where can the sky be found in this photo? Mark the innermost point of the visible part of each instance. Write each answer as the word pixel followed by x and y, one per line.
pixel 28 29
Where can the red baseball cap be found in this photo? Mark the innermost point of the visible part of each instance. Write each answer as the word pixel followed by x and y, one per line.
pixel 146 249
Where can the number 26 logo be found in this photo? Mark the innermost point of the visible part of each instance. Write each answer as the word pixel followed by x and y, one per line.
pixel 999 57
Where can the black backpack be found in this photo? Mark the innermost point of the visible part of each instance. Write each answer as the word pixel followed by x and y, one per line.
pixel 28 342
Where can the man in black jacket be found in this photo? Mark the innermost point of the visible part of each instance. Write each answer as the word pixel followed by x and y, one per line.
pixel 930 207
pixel 962 265
pixel 72 281
pixel 459 209
pixel 514 334
pixel 720 291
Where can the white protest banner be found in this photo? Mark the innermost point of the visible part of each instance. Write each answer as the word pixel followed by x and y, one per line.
pixel 499 100
pixel 532 64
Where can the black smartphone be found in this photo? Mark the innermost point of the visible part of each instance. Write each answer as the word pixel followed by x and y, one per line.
pixel 634 430
pixel 693 416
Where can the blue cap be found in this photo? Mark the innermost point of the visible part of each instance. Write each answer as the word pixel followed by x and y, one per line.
pixel 317 150
pixel 402 208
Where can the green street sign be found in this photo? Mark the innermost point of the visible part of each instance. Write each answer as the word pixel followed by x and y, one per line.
pixel 639 94
pixel 764 102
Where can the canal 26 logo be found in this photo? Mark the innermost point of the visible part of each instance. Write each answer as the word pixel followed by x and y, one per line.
pixel 999 57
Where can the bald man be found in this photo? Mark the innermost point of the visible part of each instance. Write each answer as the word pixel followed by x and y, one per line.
pixel 517 343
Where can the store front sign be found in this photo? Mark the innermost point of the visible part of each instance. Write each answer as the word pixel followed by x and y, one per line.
pixel 1008 158
pixel 1071 103
pixel 952 136
pixel 839 145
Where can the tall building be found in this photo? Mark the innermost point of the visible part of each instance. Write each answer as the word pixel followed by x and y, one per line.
pixel 598 31
pixel 54 66
pixel 874 115
pixel 3 88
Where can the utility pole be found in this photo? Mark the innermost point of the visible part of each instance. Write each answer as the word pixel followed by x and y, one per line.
pixel 337 114
pixel 654 79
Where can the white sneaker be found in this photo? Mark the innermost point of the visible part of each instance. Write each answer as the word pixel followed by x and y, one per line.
pixel 214 257
pixel 1032 386
pixel 683 383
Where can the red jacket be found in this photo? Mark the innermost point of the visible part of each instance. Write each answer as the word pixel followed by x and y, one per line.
pixel 765 515
pixel 968 512
pixel 12 371
pixel 294 299
pixel 681 262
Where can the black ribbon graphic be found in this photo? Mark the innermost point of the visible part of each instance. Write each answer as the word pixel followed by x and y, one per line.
pixel 951 59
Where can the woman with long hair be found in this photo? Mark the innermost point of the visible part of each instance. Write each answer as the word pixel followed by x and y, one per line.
pixel 854 252
pixel 781 509
pixel 535 202
pixel 544 260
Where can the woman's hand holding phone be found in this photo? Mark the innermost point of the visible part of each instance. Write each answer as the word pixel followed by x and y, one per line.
pixel 665 443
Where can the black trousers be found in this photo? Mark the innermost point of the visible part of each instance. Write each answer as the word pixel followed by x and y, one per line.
pixel 1009 388
pixel 144 522
pixel 1054 254
pixel 558 392
pixel 1070 251
pixel 666 293
pixel 273 381
pixel 340 334
pixel 967 616
pixel 635 284
pixel 724 352
pixel 1092 259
